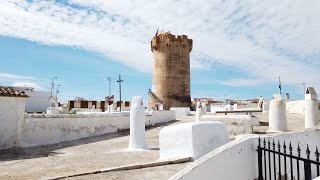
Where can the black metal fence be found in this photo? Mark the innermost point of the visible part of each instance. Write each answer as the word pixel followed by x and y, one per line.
pixel 271 159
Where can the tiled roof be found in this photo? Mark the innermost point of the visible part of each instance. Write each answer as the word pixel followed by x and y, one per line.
pixel 10 92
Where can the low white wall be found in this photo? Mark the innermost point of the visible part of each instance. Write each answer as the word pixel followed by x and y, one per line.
pixel 215 108
pixel 193 139
pixel 157 117
pixel 51 129
pixel 236 124
pixel 11 117
pixel 238 159
pixel 296 107
pixel 181 111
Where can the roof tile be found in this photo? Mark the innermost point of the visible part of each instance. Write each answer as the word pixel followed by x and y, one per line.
pixel 11 92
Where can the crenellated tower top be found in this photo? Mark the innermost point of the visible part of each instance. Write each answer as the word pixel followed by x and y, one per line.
pixel 168 39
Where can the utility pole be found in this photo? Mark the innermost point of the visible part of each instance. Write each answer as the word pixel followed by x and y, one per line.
pixel 52 86
pixel 109 78
pixel 120 81
pixel 57 91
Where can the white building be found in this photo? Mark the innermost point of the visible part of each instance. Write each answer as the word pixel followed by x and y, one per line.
pixel 12 103
pixel 38 101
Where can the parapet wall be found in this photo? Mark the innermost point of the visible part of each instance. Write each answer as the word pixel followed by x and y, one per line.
pixel 238 159
pixel 296 107
pixel 51 129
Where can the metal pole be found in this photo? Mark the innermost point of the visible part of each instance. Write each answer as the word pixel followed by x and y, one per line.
pixel 57 91
pixel 109 93
pixel 52 86
pixel 119 81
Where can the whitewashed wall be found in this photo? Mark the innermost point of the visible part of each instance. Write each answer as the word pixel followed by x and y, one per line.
pixel 38 101
pixel 11 117
pixel 236 124
pixel 296 107
pixel 50 129
pixel 238 159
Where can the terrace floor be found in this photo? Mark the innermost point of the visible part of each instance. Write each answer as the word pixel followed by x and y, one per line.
pixel 106 151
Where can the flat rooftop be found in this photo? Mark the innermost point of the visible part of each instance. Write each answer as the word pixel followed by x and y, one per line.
pixel 107 151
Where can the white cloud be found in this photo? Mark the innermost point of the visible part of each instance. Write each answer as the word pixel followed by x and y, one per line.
pixel 265 39
pixel 22 81
pixel 6 76
pixel 27 84
pixel 243 82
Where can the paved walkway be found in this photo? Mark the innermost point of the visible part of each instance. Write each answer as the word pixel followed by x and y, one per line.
pixel 295 123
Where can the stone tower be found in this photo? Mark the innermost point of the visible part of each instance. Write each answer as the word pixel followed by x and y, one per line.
pixel 171 70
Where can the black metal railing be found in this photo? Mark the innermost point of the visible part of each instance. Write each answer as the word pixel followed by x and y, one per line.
pixel 271 160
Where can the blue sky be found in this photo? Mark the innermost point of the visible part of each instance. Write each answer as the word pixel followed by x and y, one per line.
pixel 240 47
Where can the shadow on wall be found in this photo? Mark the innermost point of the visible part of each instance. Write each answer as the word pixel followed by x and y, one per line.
pixel 49 150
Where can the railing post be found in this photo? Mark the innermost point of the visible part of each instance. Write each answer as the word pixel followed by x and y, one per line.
pixel 260 160
pixel 307 165
pixel 307 170
pixel 317 159
pixel 291 168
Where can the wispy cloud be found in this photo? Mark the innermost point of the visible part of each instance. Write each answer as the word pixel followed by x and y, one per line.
pixel 27 84
pixel 243 82
pixel 265 39
pixel 7 76
pixel 19 80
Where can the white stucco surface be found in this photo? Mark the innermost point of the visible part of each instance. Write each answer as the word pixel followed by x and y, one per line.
pixel 214 108
pixel 181 111
pixel 238 159
pixel 11 117
pixel 39 129
pixel 296 107
pixel 192 139
pixel 137 125
pixel 199 113
pixel 265 105
pixel 277 116
pixel 228 107
pixel 38 101
pixel 52 110
pixel 236 124
pixel 157 117
pixel 311 114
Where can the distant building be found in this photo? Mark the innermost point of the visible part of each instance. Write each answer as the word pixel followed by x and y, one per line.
pixel 80 102
pixel 38 101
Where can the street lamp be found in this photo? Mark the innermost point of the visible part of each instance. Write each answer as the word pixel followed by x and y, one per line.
pixel 57 91
pixel 51 93
pixel 109 78
pixel 52 84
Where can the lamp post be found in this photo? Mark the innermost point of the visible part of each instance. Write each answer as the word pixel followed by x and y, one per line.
pixel 57 91
pixel 120 81
pixel 109 78
pixel 51 93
